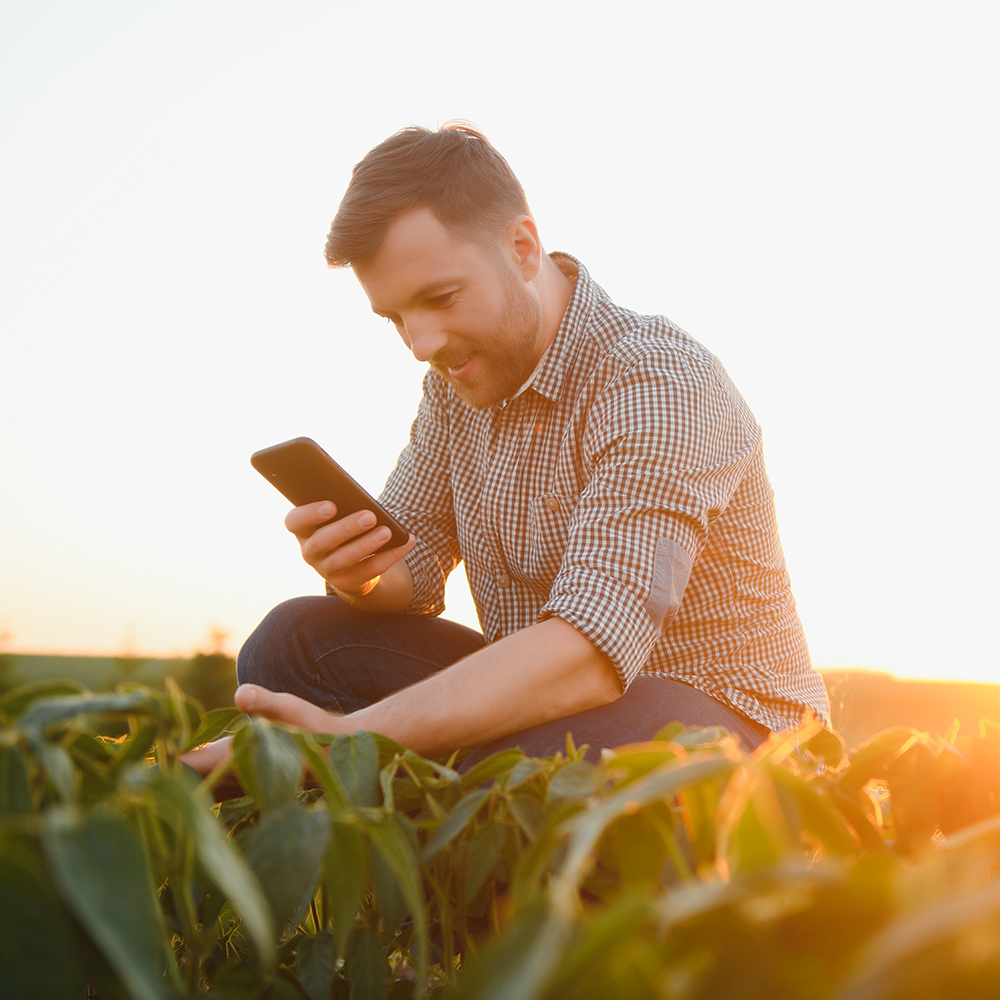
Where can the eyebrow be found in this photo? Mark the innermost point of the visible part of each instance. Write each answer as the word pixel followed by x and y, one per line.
pixel 428 291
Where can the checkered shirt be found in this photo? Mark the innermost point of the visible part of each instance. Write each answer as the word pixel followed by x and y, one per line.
pixel 623 491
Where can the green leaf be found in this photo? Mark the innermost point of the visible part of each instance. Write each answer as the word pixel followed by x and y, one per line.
pixel 518 964
pixel 636 849
pixel 213 725
pixel 637 759
pixel 761 836
pixel 698 738
pixel 612 926
pixel 60 769
pixel 387 748
pixel 217 854
pixel 528 812
pixel 577 780
pixel 137 746
pixel 454 823
pixel 314 960
pixel 35 941
pixel 44 712
pixel 282 989
pixel 690 774
pixel 501 762
pixel 15 789
pixel 900 945
pixel 355 759
pixel 237 980
pixel 396 848
pixel 872 757
pixel 817 813
pixel 670 732
pixel 367 965
pixel 429 773
pixel 346 874
pixel 914 796
pixel 89 750
pixel 484 852
pixel 101 872
pixel 846 803
pixel 13 703
pixel 385 777
pixel 699 803
pixel 286 852
pixel 523 771
pixel 319 764
pixel 827 746
pixel 271 766
pixel 48 710
pixel 389 899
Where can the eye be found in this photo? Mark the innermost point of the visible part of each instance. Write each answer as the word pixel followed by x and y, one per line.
pixel 442 301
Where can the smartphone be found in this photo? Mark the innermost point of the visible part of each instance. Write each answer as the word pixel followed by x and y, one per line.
pixel 304 473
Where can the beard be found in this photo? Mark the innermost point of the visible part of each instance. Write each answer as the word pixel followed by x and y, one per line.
pixel 507 358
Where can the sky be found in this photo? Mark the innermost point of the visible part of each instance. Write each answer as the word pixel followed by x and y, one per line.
pixel 808 189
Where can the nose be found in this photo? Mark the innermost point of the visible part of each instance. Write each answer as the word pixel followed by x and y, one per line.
pixel 423 337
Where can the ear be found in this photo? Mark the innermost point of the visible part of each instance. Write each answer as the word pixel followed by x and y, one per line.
pixel 525 246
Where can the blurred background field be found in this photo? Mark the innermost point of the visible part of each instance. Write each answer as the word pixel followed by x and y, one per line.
pixel 208 677
pixel 862 702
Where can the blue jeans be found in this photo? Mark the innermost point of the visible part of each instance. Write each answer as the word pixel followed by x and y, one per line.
pixel 343 660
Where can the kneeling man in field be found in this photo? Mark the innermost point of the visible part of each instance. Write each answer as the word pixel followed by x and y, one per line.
pixel 597 471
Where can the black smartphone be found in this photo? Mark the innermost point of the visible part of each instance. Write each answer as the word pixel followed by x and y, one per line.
pixel 304 473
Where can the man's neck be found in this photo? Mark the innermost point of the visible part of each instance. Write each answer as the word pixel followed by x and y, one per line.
pixel 555 288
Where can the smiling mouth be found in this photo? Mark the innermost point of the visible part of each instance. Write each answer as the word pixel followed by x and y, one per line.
pixel 461 369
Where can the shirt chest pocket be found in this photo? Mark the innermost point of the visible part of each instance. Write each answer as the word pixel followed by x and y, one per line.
pixel 549 517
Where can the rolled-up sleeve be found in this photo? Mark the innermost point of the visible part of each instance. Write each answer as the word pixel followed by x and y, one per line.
pixel 668 441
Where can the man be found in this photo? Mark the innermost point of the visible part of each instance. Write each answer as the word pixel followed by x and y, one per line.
pixel 596 470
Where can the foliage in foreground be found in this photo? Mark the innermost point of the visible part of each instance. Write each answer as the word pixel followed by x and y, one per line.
pixel 680 868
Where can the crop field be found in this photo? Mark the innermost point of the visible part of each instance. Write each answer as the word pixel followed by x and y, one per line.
pixel 96 673
pixel 863 702
pixel 318 867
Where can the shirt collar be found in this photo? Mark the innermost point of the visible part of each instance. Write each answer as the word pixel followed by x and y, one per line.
pixel 550 374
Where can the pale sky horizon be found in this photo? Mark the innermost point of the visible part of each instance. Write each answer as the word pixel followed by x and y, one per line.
pixel 810 190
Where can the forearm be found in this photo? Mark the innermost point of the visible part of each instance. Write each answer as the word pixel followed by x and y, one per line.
pixel 545 672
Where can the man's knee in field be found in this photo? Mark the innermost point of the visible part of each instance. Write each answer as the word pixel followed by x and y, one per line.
pixel 279 644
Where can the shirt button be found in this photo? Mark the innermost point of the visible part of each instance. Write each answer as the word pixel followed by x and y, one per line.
pixel 503 581
pixel 552 503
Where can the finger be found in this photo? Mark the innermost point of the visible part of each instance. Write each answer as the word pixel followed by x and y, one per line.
pixel 348 539
pixel 354 575
pixel 206 758
pixel 302 521
pixel 284 707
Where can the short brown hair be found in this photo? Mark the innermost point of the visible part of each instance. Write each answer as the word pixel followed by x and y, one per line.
pixel 455 172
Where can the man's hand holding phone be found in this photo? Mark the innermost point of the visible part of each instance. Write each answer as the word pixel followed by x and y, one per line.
pixel 346 551
pixel 344 533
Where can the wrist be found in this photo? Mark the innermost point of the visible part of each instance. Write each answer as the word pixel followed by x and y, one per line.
pixel 352 597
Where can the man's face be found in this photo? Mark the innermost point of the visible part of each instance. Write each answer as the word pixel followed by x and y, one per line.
pixel 463 307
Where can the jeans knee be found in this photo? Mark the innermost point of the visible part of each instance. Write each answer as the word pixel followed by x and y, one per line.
pixel 280 639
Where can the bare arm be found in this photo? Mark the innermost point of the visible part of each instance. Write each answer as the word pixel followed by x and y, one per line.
pixel 544 672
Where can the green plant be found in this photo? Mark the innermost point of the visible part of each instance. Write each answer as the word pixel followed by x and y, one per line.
pixel 8 668
pixel 210 678
pixel 681 868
